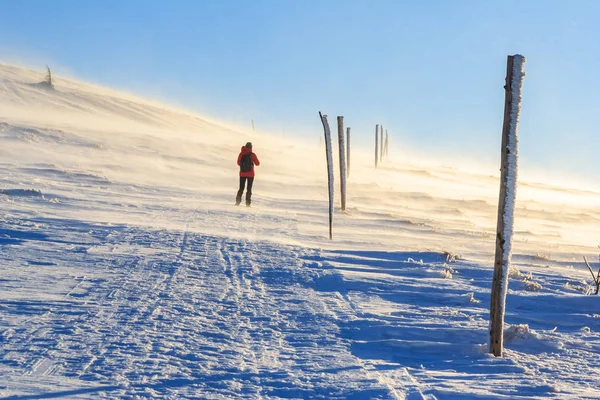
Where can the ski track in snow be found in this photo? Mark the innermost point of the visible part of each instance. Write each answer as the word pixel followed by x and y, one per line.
pixel 140 313
pixel 202 315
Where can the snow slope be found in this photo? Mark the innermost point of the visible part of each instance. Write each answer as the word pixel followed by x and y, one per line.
pixel 128 273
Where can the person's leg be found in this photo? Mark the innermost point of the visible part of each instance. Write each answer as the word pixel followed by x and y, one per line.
pixel 238 198
pixel 249 191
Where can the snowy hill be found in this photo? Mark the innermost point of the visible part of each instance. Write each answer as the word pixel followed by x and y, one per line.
pixel 128 273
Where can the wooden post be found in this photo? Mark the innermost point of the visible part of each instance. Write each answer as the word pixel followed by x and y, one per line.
pixel 348 152
pixel 376 144
pixel 329 154
pixel 380 143
pixel 386 144
pixel 342 154
pixel 506 203
pixel 253 125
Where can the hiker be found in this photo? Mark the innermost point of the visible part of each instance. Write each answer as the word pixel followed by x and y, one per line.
pixel 246 160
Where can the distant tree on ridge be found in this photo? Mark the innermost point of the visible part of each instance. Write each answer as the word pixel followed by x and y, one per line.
pixel 47 82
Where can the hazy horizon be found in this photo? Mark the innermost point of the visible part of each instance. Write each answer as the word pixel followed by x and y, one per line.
pixel 430 72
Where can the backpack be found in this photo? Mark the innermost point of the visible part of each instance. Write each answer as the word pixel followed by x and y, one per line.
pixel 246 163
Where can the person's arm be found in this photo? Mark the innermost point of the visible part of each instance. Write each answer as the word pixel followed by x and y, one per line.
pixel 239 158
pixel 255 159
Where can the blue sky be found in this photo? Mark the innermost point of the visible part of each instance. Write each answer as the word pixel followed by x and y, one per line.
pixel 430 71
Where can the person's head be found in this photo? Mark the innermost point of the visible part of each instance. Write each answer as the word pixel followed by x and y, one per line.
pixel 249 145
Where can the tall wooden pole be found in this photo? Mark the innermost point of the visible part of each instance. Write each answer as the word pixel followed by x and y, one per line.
pixel 347 151
pixel 329 155
pixel 506 203
pixel 386 144
pixel 376 144
pixel 342 154
pixel 381 143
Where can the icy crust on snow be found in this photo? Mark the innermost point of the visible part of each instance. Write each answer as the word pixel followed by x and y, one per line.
pixel 518 75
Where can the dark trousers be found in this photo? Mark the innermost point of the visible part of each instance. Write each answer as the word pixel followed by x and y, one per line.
pixel 238 198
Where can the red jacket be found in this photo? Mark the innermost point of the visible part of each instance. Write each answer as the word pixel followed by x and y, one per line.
pixel 248 174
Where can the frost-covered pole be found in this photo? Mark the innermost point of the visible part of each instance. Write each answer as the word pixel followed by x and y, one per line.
pixel 348 152
pixel 381 144
pixel 342 154
pixel 506 203
pixel 386 143
pixel 329 154
pixel 376 144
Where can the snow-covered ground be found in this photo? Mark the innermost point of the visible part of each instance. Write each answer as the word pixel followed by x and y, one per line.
pixel 127 272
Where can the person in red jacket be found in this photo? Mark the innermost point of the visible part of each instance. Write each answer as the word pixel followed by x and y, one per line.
pixel 246 160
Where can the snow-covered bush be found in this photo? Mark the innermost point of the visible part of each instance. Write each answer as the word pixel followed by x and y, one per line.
pixel 546 256
pixel 471 298
pixel 582 286
pixel 513 272
pixel 521 331
pixel 446 274
pixel 527 281
pixel 530 284
pixel 451 256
